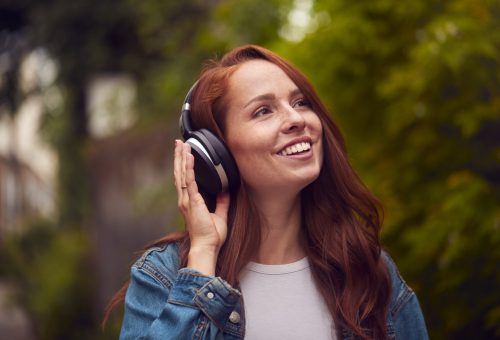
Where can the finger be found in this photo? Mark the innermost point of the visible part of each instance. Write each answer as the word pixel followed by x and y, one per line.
pixel 222 205
pixel 178 171
pixel 192 187
pixel 177 163
pixel 183 165
pixel 184 199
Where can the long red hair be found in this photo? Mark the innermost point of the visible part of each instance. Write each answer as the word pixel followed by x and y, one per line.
pixel 341 218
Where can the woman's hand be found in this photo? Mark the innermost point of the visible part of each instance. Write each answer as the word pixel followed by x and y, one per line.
pixel 207 231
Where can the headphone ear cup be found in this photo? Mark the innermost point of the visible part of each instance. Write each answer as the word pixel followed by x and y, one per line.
pixel 206 175
pixel 226 158
pixel 214 166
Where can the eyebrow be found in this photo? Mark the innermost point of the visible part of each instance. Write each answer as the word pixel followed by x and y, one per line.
pixel 270 96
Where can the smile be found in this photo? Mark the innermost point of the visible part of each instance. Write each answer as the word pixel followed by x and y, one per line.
pixel 295 149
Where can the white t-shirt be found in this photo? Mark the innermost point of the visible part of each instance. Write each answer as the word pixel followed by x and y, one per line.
pixel 282 302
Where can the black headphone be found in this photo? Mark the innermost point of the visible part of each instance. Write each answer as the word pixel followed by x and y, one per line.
pixel 214 167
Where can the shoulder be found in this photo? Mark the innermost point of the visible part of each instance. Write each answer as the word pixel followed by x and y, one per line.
pixel 405 316
pixel 161 263
pixel 401 293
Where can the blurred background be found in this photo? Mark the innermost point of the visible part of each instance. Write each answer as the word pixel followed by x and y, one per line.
pixel 90 93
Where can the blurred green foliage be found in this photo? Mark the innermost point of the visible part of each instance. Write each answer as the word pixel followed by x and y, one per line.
pixel 415 86
pixel 50 268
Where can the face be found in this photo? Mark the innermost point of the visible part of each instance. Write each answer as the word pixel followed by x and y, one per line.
pixel 271 130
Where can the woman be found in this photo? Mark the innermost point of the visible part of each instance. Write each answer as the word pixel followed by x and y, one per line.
pixel 293 252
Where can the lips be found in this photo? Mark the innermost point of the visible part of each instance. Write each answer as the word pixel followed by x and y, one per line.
pixel 296 146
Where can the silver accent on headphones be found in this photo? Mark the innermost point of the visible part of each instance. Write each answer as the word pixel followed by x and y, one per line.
pixel 218 168
pixel 186 107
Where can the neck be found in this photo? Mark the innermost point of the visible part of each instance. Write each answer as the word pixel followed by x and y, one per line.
pixel 280 229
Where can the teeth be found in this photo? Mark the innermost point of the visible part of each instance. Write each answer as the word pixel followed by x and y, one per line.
pixel 296 148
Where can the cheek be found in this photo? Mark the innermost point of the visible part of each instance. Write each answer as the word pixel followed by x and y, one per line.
pixel 250 165
pixel 247 143
pixel 251 155
pixel 318 127
pixel 239 148
pixel 245 153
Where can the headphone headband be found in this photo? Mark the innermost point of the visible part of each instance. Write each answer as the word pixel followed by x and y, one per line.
pixel 184 121
pixel 187 100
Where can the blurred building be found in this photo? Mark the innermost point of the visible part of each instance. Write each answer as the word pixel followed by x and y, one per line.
pixel 27 168
pixel 130 182
pixel 132 197
pixel 133 201
pixel 27 163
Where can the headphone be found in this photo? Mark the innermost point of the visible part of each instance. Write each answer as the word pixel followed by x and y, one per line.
pixel 214 167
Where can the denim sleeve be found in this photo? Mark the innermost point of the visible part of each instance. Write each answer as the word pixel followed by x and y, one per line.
pixel 405 313
pixel 409 321
pixel 182 307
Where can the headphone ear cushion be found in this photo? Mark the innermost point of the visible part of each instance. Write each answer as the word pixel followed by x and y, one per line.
pixel 207 177
pixel 225 157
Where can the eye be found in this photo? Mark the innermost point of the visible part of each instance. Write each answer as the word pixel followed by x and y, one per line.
pixel 301 102
pixel 261 111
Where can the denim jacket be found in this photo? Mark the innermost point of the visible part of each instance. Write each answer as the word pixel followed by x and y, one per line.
pixel 164 301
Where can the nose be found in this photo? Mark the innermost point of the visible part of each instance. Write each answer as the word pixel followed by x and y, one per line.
pixel 292 120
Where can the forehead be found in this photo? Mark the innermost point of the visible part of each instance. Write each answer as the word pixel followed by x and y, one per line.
pixel 256 77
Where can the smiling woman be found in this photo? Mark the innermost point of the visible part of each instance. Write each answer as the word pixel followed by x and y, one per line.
pixel 268 120
pixel 297 239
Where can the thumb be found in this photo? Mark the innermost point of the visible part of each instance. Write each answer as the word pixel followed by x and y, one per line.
pixel 222 205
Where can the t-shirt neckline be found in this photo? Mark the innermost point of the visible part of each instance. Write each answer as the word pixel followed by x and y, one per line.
pixel 278 269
